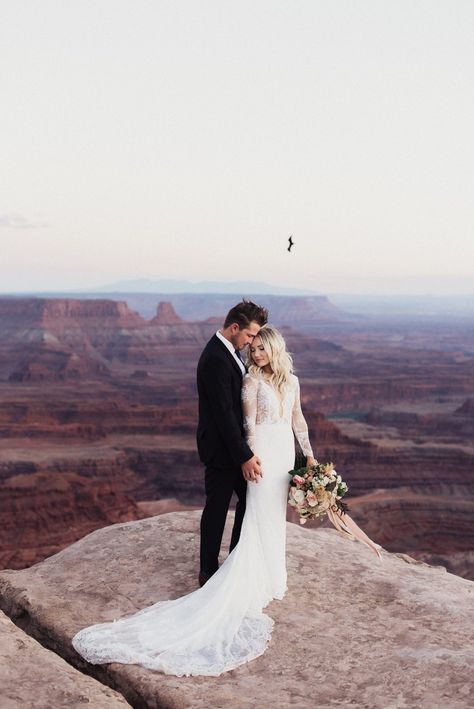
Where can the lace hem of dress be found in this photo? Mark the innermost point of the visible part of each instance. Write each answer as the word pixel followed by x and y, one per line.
pixel 250 642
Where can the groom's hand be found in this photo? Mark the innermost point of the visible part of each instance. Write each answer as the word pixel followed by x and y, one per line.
pixel 252 469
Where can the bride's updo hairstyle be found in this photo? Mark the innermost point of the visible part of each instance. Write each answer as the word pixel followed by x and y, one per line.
pixel 280 360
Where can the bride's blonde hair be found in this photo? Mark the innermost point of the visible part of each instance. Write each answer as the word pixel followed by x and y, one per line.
pixel 280 360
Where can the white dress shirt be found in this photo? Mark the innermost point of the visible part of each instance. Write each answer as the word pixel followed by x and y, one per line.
pixel 231 349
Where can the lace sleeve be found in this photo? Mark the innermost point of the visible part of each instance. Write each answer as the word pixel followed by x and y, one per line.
pixel 249 408
pixel 300 427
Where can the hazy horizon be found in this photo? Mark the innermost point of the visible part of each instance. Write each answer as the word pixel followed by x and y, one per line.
pixel 241 288
pixel 189 140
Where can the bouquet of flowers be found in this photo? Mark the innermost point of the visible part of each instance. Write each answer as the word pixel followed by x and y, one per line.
pixel 316 489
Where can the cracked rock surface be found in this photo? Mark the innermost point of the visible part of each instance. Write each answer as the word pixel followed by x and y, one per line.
pixel 350 632
pixel 31 676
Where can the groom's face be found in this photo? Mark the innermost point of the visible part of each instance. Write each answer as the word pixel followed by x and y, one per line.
pixel 241 337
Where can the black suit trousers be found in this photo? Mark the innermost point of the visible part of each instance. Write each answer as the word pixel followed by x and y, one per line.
pixel 220 484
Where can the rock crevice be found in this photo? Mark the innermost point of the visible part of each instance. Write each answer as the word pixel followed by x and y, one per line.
pixel 349 632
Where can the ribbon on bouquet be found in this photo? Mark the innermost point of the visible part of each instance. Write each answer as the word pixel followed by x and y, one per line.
pixel 350 530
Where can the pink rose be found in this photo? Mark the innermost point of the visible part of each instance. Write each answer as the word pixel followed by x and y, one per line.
pixel 298 479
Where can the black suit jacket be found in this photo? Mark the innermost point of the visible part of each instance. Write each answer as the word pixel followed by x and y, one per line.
pixel 220 434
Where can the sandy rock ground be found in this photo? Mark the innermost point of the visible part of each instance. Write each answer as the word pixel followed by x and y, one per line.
pixel 31 676
pixel 350 632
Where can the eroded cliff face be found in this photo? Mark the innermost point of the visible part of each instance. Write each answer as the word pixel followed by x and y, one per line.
pixel 466 410
pixel 63 339
pixel 63 314
pixel 351 631
pixel 194 307
pixel 455 428
pixel 166 315
pixel 42 512
pixel 438 529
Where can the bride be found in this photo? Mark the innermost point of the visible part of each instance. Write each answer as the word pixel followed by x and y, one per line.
pixel 221 625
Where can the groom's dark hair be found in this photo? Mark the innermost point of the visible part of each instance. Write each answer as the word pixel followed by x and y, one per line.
pixel 246 312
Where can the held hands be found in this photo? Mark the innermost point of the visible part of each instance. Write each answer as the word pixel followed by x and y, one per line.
pixel 252 469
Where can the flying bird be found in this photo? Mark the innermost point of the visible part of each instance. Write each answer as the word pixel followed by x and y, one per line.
pixel 291 242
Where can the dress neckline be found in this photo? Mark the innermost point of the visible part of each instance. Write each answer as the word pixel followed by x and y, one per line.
pixel 280 399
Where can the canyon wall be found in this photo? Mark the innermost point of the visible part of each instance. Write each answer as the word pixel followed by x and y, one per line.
pixel 98 411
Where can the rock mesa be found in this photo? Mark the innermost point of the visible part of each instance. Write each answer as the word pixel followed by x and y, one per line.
pixel 351 631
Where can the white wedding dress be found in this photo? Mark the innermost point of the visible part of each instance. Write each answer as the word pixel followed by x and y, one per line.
pixel 221 625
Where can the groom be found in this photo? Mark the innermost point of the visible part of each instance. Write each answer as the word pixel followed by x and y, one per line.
pixel 220 435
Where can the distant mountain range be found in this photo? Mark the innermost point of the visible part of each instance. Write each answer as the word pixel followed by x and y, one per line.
pixel 143 294
pixel 426 306
pixel 168 285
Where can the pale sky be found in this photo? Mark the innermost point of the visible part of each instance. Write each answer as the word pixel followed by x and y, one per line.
pixel 190 138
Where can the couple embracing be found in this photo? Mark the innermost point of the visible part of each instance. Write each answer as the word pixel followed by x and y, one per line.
pixel 246 416
pixel 249 415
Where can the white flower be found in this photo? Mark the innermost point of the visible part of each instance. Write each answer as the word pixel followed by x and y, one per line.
pixel 298 496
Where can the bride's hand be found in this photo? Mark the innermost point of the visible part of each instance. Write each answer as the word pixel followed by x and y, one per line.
pixel 310 461
pixel 252 469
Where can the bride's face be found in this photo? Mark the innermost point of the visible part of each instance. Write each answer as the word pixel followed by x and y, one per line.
pixel 258 354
